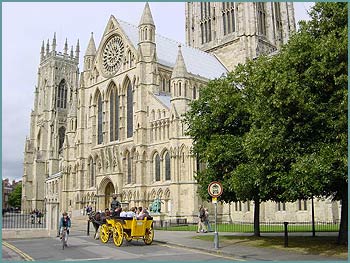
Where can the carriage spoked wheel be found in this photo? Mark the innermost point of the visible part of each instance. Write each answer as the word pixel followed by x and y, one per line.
pixel 118 234
pixel 104 233
pixel 148 237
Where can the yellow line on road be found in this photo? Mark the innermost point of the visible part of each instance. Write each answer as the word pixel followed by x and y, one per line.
pixel 18 251
pixel 203 252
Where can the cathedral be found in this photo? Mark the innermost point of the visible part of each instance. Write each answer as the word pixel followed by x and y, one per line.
pixel 117 126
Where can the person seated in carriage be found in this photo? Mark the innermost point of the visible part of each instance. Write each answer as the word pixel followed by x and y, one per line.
pixel 123 213
pixel 132 212
pixel 144 213
pixel 107 212
pixel 139 210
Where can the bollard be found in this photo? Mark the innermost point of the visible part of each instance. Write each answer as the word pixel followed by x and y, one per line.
pixel 88 228
pixel 285 234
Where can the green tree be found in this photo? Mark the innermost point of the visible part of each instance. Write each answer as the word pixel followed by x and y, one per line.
pixel 15 196
pixel 299 112
pixel 318 127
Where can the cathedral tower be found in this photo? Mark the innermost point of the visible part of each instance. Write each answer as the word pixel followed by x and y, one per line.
pixel 55 94
pixel 179 85
pixel 148 71
pixel 235 32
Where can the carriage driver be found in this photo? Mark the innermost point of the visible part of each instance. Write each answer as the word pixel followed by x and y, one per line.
pixel 115 203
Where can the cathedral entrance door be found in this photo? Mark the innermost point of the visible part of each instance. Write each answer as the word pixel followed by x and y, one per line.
pixel 109 191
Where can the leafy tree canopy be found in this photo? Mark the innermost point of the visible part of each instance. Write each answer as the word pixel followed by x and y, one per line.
pixel 15 196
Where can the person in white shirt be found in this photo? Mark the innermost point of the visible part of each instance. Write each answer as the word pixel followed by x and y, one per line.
pixel 131 212
pixel 123 214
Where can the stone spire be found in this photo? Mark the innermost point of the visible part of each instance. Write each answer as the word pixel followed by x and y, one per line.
pixel 71 52
pixel 91 49
pixel 179 70
pixel 77 50
pixel 42 52
pixel 54 42
pixel 146 18
pixel 65 50
pixel 47 48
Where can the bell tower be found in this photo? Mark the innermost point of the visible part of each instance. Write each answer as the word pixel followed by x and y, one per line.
pixel 235 32
pixel 55 95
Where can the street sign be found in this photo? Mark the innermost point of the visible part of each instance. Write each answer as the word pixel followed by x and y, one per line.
pixel 215 189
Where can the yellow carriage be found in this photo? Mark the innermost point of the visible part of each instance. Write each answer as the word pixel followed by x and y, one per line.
pixel 128 228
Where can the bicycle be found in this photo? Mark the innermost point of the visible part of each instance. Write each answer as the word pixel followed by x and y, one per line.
pixel 64 237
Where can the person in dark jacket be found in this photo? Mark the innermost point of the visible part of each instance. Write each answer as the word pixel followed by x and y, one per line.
pixel 115 203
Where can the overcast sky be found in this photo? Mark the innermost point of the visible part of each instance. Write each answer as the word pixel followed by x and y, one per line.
pixel 26 25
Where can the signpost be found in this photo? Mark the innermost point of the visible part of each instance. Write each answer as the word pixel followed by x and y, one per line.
pixel 215 190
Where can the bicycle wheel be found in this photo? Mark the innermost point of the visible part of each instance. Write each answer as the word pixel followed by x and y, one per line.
pixel 63 239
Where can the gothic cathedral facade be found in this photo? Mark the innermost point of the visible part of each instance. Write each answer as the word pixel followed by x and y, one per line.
pixel 116 127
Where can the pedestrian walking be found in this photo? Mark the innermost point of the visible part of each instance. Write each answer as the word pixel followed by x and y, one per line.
pixel 201 216
pixel 206 220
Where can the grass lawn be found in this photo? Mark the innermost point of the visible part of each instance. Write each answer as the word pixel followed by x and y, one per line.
pixel 324 246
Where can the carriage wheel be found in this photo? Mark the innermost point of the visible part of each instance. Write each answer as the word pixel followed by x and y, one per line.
pixel 118 234
pixel 104 233
pixel 148 237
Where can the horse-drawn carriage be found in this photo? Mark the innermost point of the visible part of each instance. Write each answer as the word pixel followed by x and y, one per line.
pixel 125 227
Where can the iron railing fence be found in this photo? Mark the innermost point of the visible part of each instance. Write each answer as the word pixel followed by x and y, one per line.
pixel 24 219
pixel 248 227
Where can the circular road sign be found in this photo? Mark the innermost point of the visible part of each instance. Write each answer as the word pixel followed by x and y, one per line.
pixel 215 189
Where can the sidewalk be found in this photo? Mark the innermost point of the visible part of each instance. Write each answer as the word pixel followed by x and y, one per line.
pixel 238 252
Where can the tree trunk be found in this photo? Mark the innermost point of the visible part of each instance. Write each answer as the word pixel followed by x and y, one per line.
pixel 256 217
pixel 343 229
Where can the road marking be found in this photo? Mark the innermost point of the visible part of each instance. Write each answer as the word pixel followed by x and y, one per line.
pixel 202 252
pixel 85 259
pixel 18 251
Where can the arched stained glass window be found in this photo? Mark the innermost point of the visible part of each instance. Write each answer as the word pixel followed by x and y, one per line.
pixel 99 120
pixel 61 96
pixel 167 167
pixel 114 115
pixel 261 18
pixel 157 167
pixel 129 114
pixel 278 21
pixel 228 17
pixel 205 22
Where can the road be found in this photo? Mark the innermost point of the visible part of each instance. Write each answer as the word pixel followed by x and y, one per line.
pixel 82 248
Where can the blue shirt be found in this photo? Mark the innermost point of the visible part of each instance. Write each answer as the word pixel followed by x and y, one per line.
pixel 65 223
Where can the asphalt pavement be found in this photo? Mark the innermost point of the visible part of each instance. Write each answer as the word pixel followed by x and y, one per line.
pixel 185 239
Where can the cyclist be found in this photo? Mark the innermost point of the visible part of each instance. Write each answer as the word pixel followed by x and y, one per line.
pixel 64 222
